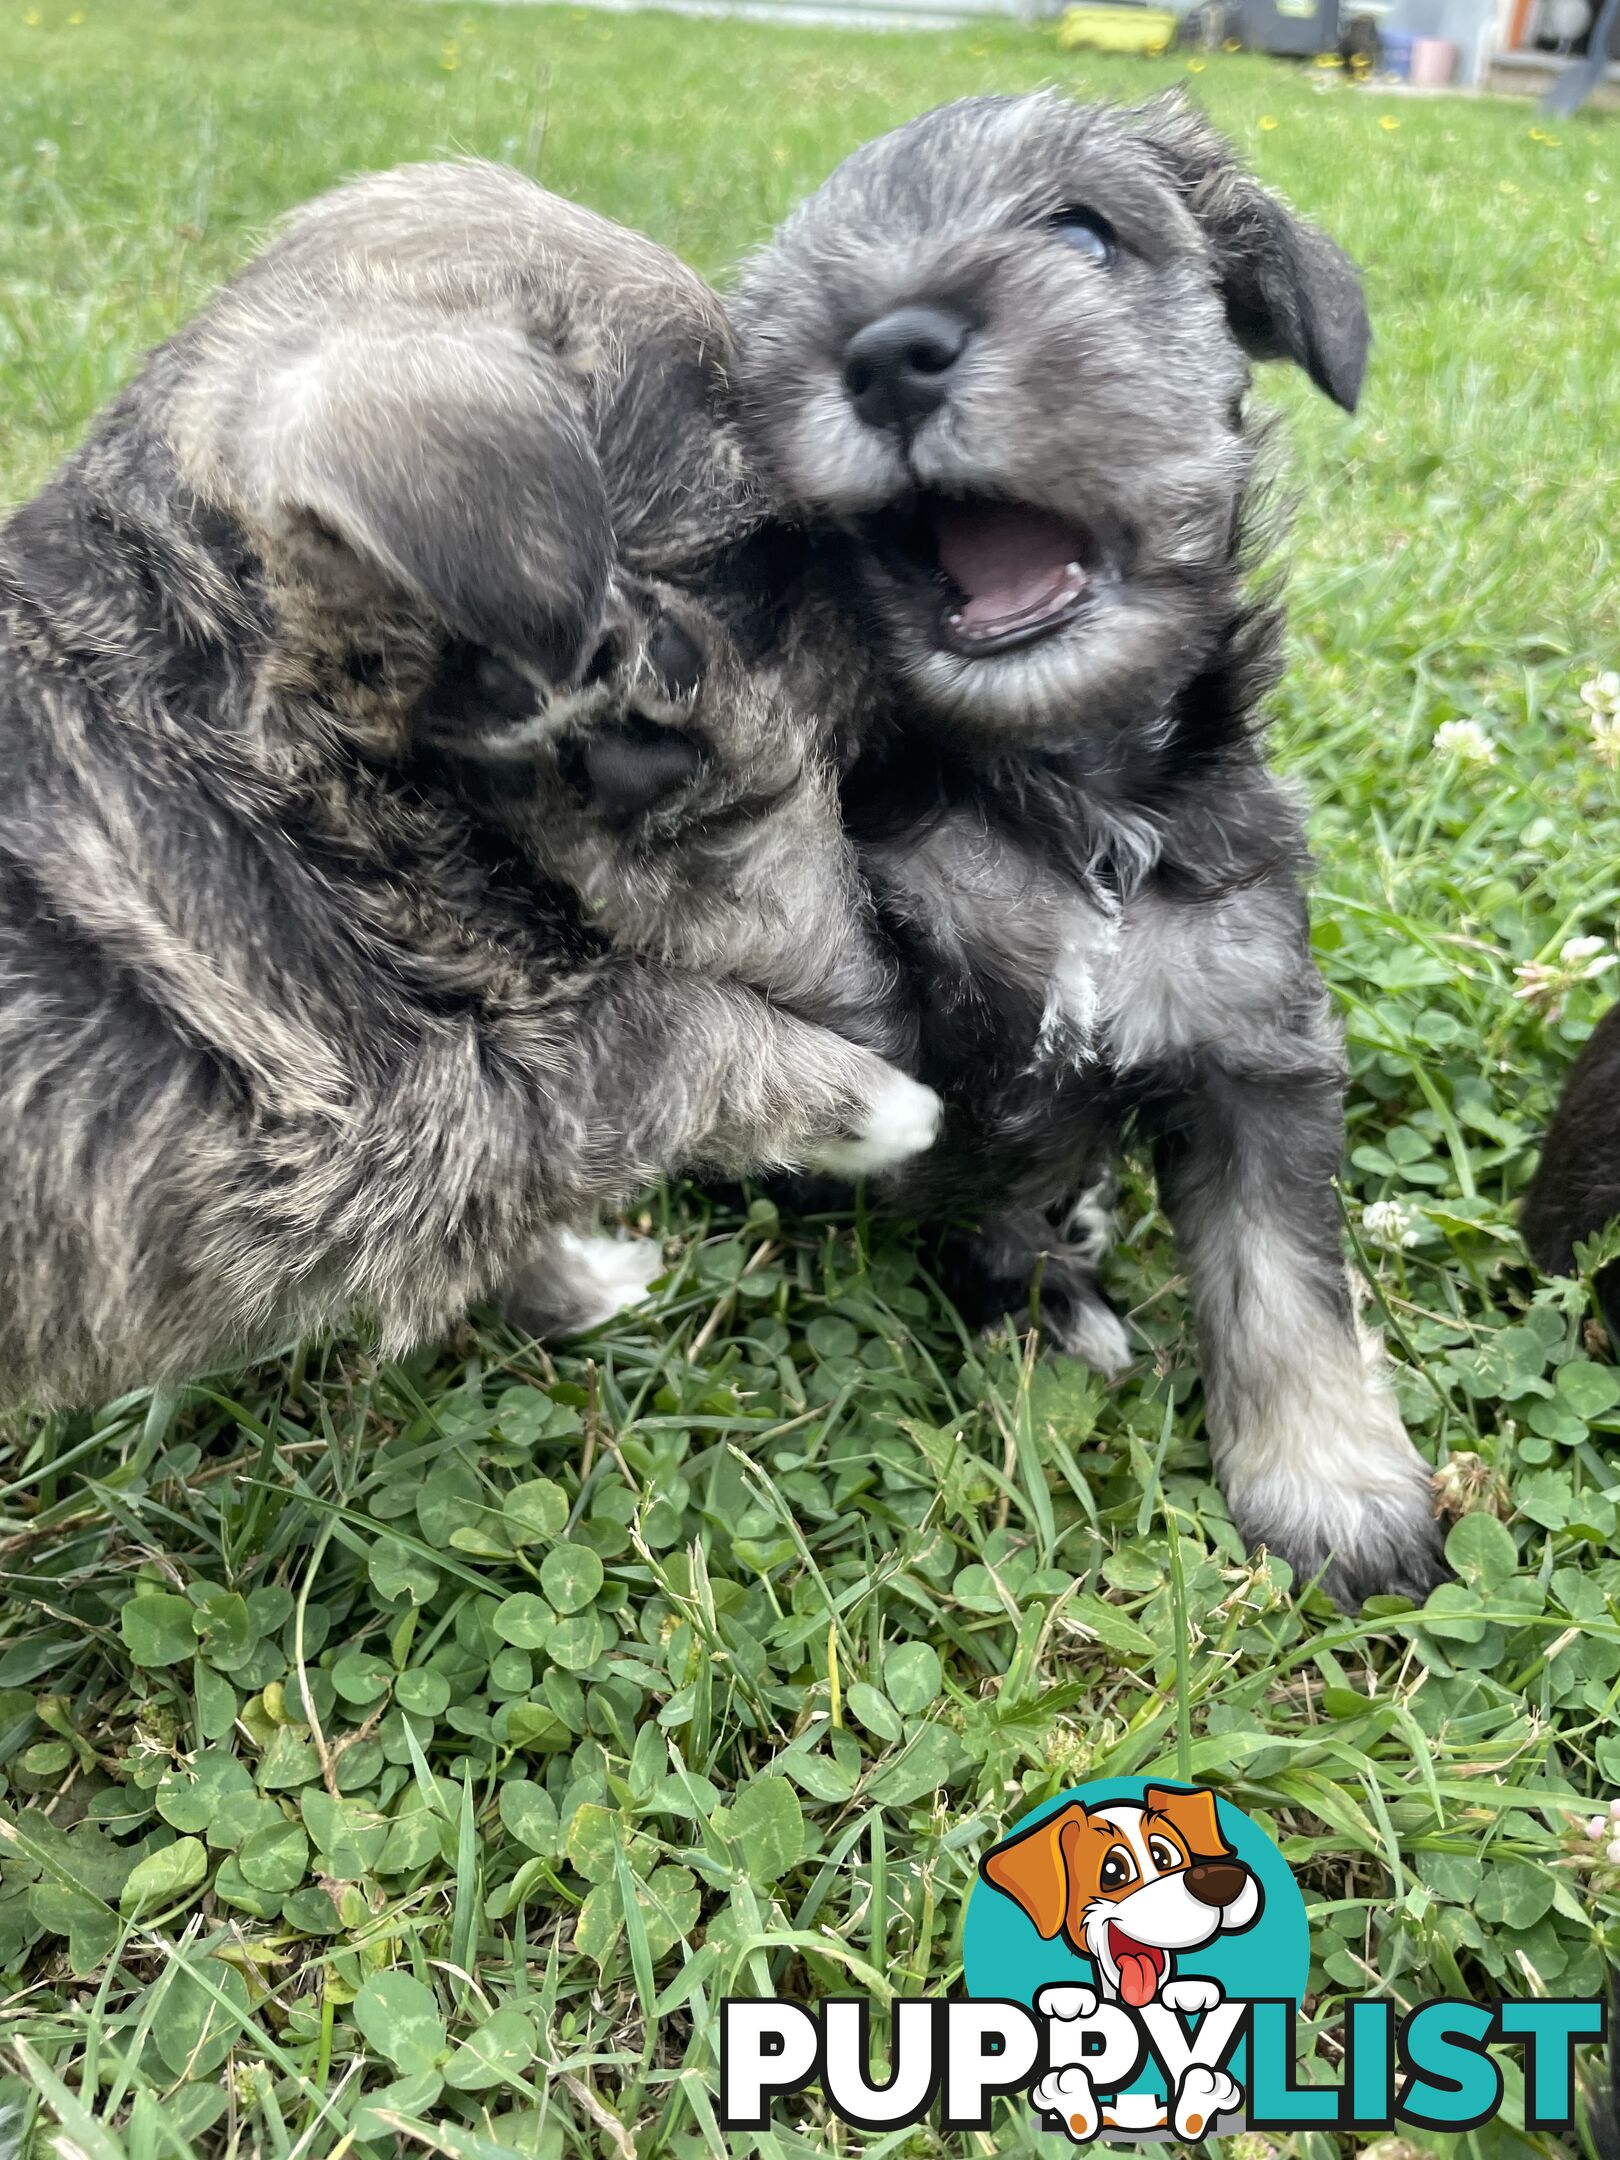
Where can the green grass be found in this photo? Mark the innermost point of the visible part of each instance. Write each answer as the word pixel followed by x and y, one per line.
pixel 706 1657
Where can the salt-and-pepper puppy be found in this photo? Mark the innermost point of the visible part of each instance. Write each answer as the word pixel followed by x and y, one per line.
pixel 292 1023
pixel 1002 358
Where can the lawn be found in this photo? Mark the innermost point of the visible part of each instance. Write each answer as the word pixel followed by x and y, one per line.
pixel 575 1693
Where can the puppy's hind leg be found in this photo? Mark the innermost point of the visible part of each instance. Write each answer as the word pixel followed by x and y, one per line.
pixel 1000 1270
pixel 575 1283
pixel 1308 1444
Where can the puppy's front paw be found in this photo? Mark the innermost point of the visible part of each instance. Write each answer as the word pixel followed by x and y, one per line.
pixel 1360 1516
pixel 902 1120
pixel 1317 1467
pixel 1380 1550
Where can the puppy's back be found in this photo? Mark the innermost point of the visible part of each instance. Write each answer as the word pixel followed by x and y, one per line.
pixel 470 234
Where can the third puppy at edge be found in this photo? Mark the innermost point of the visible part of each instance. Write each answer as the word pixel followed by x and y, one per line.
pixel 1001 359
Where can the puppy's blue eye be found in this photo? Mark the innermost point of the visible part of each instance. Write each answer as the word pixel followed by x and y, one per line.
pixel 1087 233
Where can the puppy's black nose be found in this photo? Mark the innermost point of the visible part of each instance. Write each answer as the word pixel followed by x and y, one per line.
pixel 898 369
pixel 1216 1882
pixel 675 658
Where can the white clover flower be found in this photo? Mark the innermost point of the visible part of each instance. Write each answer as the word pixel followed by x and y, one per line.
pixel 1614 1811
pixel 1601 697
pixel 1548 983
pixel 1611 1852
pixel 1388 1223
pixel 1597 1828
pixel 1582 953
pixel 1465 740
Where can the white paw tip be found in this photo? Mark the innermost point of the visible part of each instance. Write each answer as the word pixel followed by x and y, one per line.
pixel 903 1121
pixel 1096 1336
pixel 609 1274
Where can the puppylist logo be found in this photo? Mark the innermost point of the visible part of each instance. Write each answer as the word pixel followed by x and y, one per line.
pixel 1134 1955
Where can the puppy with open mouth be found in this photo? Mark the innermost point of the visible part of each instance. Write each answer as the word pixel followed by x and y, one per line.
pixel 1001 360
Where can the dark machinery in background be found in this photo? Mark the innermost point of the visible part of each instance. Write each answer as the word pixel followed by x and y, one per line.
pixel 1296 29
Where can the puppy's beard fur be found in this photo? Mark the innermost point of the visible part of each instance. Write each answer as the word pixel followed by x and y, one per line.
pixel 1123 660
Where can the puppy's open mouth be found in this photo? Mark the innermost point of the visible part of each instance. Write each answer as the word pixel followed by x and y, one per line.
pixel 1003 574
pixel 1141 1966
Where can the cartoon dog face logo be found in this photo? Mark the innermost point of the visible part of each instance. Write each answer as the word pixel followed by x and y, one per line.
pixel 1129 1884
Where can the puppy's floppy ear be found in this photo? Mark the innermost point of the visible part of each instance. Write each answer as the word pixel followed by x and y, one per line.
pixel 1194 1815
pixel 452 459
pixel 1033 1869
pixel 1290 293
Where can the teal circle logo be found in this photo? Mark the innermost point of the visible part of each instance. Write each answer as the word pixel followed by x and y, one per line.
pixel 1136 1892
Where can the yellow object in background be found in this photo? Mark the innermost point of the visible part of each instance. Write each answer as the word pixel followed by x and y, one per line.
pixel 1100 28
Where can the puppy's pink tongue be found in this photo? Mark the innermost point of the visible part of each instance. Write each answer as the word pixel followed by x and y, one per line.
pixel 1010 565
pixel 1137 1975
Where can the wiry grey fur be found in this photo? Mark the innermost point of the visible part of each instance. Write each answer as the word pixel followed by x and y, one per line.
pixel 1093 879
pixel 352 942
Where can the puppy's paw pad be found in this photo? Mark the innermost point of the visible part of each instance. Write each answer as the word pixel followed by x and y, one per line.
pixel 902 1121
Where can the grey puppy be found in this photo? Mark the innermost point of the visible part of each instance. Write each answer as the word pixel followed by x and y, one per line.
pixel 1002 358
pixel 354 945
